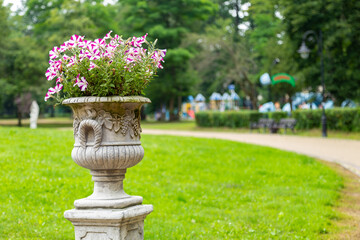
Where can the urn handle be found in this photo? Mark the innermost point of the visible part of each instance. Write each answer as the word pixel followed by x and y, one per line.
pixel 97 133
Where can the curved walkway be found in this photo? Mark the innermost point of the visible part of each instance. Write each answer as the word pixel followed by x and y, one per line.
pixel 344 152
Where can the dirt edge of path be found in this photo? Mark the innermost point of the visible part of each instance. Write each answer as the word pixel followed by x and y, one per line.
pixel 347 226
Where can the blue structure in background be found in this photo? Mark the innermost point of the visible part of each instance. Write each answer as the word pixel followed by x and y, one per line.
pixel 267 107
pixel 348 103
pixel 215 96
pixel 190 99
pixel 200 98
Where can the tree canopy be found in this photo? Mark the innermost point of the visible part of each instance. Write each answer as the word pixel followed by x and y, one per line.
pixel 210 43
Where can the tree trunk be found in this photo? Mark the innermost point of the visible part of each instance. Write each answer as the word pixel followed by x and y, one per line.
pixel 173 116
pixel 19 116
pixel 179 107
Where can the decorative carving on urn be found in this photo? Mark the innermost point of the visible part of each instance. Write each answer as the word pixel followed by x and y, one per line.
pixel 107 131
pixel 128 123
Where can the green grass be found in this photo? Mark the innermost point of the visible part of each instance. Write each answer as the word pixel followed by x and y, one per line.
pixel 183 125
pixel 200 188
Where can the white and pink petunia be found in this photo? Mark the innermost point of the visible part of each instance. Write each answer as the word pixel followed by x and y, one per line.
pixel 65 57
pixel 108 35
pixel 75 40
pixel 92 66
pixel 54 53
pixel 50 73
pixel 81 83
pixel 56 89
pixel 137 42
pixel 52 91
pixel 162 52
pixel 85 44
pixel 99 43
pixel 72 61
pixel 93 54
pixel 109 52
pixel 64 47
pixel 47 96
pixel 56 65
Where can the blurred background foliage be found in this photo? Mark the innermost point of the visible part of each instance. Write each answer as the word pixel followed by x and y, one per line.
pixel 211 44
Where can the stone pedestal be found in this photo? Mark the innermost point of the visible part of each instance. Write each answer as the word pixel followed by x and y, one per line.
pixel 109 224
pixel 107 141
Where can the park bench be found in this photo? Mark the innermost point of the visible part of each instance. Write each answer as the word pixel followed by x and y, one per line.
pixel 262 123
pixel 285 123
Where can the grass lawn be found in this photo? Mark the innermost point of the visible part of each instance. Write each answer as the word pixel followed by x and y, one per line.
pixel 200 188
pixel 183 125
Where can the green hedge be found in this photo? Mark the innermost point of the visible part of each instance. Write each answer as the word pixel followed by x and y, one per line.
pixel 231 119
pixel 276 115
pixel 344 119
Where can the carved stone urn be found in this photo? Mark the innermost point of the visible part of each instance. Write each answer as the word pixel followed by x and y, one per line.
pixel 107 141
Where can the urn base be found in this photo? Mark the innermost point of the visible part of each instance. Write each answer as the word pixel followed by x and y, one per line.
pixel 87 203
pixel 109 224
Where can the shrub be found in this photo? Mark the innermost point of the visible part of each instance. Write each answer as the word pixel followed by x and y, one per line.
pixel 277 115
pixel 343 119
pixel 231 119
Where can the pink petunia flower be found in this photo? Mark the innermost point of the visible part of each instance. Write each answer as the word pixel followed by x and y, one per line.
pixel 65 57
pixel 63 48
pixel 50 73
pixel 81 83
pixel 47 96
pixel 93 53
pixel 72 61
pixel 56 65
pixel 108 35
pixel 52 91
pixel 92 66
pixel 75 40
pixel 54 53
pixel 84 44
pixel 137 42
pixel 99 43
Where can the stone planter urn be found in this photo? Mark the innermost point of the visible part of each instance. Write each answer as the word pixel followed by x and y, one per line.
pixel 107 141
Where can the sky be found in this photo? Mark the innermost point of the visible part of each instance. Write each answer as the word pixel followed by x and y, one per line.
pixel 17 3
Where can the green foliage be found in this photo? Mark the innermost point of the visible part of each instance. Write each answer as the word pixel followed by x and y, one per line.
pixel 339 21
pixel 169 21
pixel 231 119
pixel 266 194
pixel 221 61
pixel 275 29
pixel 277 115
pixel 234 119
pixel 344 119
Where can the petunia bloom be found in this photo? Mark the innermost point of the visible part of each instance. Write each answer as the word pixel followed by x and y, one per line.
pixel 81 83
pixel 54 53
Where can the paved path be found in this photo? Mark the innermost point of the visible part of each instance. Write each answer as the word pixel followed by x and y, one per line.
pixel 344 152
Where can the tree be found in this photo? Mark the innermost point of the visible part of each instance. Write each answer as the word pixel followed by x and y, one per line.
pixel 224 60
pixel 170 22
pixel 5 32
pixel 266 37
pixel 339 20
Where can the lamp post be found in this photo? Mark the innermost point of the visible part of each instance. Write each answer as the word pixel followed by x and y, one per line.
pixel 304 53
pixel 276 61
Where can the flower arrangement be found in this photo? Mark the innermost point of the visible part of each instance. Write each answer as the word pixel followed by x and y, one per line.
pixel 107 66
